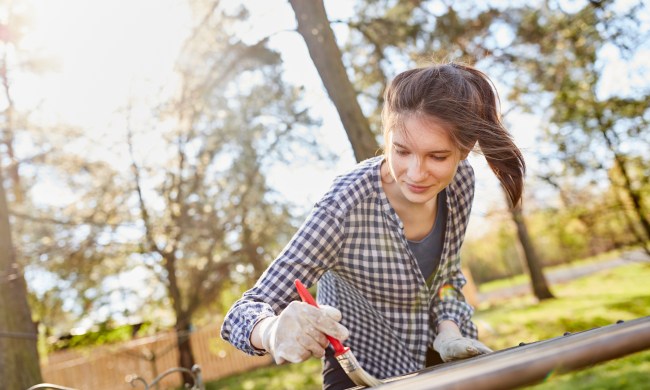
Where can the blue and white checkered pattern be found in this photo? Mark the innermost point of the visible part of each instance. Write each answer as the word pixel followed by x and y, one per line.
pixel 353 245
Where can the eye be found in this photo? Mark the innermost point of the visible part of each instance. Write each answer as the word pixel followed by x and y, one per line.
pixel 401 152
pixel 438 158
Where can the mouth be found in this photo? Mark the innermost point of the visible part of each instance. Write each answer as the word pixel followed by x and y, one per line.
pixel 416 189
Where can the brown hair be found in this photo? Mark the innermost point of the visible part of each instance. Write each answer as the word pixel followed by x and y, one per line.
pixel 464 98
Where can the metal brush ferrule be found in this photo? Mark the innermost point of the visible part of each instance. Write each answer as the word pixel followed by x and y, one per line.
pixel 348 362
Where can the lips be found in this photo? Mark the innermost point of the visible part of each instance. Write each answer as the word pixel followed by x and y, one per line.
pixel 417 189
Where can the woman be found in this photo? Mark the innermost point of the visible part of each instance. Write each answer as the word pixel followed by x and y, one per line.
pixel 383 243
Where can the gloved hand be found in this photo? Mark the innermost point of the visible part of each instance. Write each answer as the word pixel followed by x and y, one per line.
pixel 451 345
pixel 299 332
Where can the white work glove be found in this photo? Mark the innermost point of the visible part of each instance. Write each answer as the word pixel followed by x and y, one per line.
pixel 299 332
pixel 451 345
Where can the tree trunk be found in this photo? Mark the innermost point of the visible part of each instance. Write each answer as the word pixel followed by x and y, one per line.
pixel 539 284
pixel 315 29
pixel 19 364
pixel 185 354
pixel 183 318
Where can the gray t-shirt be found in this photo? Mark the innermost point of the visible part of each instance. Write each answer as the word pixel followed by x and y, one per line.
pixel 428 250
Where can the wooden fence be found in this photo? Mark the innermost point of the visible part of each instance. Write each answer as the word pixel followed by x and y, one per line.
pixel 106 367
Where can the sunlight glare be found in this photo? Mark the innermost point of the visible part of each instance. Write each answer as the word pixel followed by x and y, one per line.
pixel 107 52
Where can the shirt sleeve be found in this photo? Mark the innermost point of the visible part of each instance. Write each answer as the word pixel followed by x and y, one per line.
pixel 312 251
pixel 449 302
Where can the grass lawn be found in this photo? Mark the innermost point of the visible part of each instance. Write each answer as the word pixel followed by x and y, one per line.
pixel 589 302
pixel 305 375
pixel 585 303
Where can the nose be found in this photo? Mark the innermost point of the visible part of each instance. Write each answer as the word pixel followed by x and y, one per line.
pixel 416 171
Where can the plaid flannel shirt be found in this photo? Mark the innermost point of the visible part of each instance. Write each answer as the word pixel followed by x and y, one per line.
pixel 353 245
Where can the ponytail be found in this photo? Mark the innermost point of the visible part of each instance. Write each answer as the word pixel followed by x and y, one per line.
pixel 495 142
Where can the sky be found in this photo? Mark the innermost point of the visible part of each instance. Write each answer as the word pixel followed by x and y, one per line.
pixel 104 52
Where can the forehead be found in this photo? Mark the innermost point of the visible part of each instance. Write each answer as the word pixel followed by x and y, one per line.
pixel 424 132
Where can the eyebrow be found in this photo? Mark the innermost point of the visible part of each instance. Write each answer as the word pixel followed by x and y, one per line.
pixel 431 151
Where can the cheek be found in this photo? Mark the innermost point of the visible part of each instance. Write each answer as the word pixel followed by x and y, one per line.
pixel 451 172
pixel 397 163
pixel 444 170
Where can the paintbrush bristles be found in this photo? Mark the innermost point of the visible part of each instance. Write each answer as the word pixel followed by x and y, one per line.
pixel 359 376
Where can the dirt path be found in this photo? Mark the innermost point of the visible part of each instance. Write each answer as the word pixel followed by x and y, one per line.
pixel 564 275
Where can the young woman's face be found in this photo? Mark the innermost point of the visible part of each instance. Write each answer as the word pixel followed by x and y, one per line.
pixel 422 158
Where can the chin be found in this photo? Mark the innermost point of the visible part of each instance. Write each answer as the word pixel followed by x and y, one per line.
pixel 418 198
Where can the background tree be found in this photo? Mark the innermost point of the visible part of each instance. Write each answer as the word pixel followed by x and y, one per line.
pixel 589 131
pixel 195 213
pixel 203 199
pixel 315 28
pixel 19 364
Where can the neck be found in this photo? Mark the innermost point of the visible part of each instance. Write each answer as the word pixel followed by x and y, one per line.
pixel 418 218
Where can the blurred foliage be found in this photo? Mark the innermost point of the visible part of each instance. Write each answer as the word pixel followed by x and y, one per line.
pixel 591 134
pixel 493 255
pixel 191 217
pixel 597 223
pixel 181 208
pixel 103 333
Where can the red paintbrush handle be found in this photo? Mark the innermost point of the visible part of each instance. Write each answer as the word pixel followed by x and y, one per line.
pixel 307 298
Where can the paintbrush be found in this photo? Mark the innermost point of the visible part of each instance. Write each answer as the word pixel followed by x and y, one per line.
pixel 343 354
